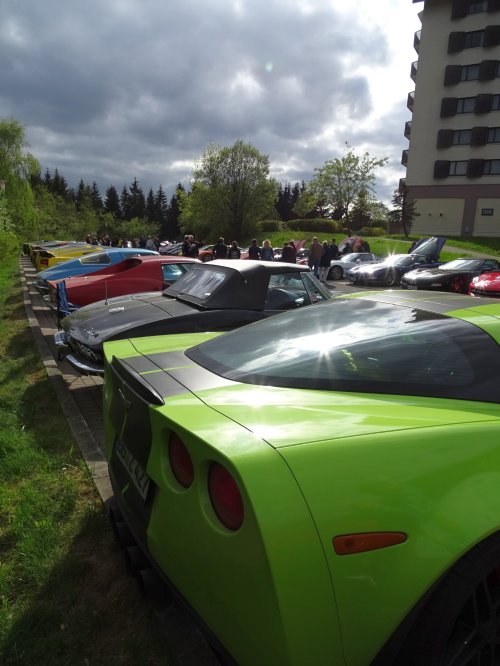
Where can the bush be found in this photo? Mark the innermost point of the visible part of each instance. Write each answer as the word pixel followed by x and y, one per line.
pixel 371 231
pixel 266 226
pixel 315 225
pixel 9 244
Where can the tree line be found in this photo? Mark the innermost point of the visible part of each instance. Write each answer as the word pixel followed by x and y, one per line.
pixel 230 193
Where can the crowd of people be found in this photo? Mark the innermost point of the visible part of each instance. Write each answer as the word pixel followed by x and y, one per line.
pixel 319 258
pixel 148 243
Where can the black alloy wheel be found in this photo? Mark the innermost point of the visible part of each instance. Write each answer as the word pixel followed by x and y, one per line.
pixel 459 284
pixel 336 272
pixel 391 278
pixel 460 625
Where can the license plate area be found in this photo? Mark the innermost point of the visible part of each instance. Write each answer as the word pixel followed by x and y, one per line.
pixel 140 479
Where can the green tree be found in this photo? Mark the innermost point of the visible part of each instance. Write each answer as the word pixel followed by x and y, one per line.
pixel 231 191
pixel 403 212
pixel 112 202
pixel 16 170
pixel 339 182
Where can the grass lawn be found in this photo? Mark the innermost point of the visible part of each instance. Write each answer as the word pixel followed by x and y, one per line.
pixel 65 597
pixel 391 244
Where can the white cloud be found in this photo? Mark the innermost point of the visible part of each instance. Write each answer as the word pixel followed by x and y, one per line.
pixel 139 88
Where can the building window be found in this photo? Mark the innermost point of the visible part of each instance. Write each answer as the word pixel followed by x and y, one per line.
pixel 491 167
pixel 461 137
pixel 466 105
pixel 487 211
pixel 473 39
pixel 477 7
pixel 458 168
pixel 469 73
pixel 495 103
pixel 493 135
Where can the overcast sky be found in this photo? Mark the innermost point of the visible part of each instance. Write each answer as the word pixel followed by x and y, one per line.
pixel 112 90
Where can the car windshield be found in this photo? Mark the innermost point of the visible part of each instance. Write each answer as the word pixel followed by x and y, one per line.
pixel 462 265
pixel 352 256
pixel 360 345
pixel 101 258
pixel 398 260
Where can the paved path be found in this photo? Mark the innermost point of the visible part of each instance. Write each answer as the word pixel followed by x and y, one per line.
pixel 80 398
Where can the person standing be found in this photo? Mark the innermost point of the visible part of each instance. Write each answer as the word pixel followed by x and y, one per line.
pixel 288 253
pixel 315 253
pixel 334 248
pixel 254 250
pixel 233 251
pixel 266 251
pixel 325 262
pixel 219 250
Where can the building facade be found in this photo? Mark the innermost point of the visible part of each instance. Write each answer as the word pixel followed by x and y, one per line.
pixel 453 159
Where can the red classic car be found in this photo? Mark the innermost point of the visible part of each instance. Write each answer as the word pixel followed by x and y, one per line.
pixel 134 275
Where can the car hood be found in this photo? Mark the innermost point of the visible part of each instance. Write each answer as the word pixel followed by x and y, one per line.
pixel 279 416
pixel 103 320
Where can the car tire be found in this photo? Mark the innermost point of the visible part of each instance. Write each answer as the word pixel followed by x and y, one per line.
pixel 206 257
pixel 391 279
pixel 336 273
pixel 459 623
pixel 458 285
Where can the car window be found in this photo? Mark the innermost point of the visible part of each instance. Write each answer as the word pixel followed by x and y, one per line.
pixel 288 291
pixel 462 265
pixel 102 258
pixel 172 272
pixel 362 346
pixel 491 265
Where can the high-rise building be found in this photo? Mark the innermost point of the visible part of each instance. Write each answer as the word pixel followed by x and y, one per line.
pixel 453 158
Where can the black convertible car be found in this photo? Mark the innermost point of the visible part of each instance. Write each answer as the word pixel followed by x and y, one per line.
pixel 455 275
pixel 217 296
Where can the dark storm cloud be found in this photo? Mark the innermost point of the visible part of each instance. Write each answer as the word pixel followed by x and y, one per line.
pixel 113 90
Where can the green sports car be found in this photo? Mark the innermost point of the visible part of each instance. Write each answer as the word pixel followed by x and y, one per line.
pixel 322 487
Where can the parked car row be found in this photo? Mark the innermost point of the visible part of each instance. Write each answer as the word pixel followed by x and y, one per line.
pixel 315 478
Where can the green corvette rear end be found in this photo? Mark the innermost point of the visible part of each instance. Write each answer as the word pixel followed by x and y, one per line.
pixel 309 484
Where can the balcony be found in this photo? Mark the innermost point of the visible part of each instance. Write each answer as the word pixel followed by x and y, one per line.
pixel 413 71
pixel 416 40
pixel 407 129
pixel 402 185
pixel 410 100
pixel 404 157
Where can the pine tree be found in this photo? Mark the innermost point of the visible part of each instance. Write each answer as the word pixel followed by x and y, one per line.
pixel 161 205
pixel 112 203
pixel 172 226
pixel 136 202
pixel 95 197
pixel 151 207
pixel 124 204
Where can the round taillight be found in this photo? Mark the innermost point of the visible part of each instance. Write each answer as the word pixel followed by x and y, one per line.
pixel 225 497
pixel 180 461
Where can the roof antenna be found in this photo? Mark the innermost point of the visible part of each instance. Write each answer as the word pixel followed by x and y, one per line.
pixel 106 292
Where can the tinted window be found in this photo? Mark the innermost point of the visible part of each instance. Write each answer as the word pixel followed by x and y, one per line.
pixel 363 346
pixel 201 284
pixel 100 259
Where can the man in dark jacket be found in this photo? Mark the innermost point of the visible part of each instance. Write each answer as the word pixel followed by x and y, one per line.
pixel 219 250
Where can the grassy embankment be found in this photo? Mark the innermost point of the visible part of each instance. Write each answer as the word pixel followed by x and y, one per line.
pixel 393 244
pixel 65 597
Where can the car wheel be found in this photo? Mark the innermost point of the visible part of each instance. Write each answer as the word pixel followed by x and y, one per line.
pixel 206 257
pixel 336 273
pixel 460 623
pixel 391 278
pixel 458 285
